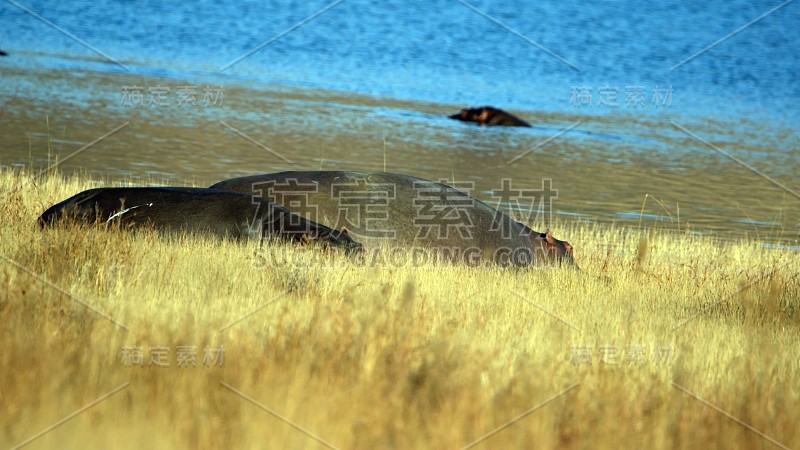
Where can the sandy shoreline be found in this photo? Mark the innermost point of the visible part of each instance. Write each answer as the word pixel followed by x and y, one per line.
pixel 604 170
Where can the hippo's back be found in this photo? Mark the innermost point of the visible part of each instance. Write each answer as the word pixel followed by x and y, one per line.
pixel 380 208
pixel 217 212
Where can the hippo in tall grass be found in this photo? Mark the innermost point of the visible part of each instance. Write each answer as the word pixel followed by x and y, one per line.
pixel 195 210
pixel 487 115
pixel 405 211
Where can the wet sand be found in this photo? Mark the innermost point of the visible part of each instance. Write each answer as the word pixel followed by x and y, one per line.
pixel 602 169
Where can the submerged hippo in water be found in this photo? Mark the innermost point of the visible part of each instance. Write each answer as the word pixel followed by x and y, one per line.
pixel 401 210
pixel 487 115
pixel 204 211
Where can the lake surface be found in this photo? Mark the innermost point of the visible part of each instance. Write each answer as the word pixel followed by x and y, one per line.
pixel 657 130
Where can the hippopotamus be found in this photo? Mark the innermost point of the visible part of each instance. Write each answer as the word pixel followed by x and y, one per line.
pixel 487 115
pixel 196 210
pixel 387 209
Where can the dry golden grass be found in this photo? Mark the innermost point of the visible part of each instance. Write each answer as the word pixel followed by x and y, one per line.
pixel 386 356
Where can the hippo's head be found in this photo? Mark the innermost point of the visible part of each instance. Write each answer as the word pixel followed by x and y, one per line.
pixel 331 238
pixel 468 115
pixel 551 250
pixel 480 115
pixel 461 115
pixel 79 207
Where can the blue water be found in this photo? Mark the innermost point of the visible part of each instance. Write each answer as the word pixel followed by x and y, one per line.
pixel 443 51
pixel 554 62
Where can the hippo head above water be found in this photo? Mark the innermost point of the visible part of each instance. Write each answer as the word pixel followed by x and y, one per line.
pixel 488 115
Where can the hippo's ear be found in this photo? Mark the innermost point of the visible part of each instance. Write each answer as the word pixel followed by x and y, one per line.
pixel 549 237
pixel 344 231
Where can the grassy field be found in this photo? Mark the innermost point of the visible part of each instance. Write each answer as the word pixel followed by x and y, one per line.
pixel 663 340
